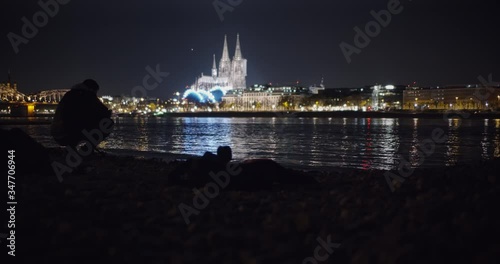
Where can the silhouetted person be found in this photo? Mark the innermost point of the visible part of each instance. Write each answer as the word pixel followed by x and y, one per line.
pixel 80 109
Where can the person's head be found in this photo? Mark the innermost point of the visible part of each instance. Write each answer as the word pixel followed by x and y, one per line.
pixel 224 153
pixel 91 85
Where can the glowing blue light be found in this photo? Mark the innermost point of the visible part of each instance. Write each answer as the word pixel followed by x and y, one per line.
pixel 192 96
pixel 202 96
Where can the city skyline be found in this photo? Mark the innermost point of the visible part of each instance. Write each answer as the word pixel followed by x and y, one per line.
pixel 286 41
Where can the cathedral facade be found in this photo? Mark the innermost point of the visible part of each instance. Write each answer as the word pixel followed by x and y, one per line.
pixel 231 74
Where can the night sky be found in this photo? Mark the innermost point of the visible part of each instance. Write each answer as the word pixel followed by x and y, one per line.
pixel 431 42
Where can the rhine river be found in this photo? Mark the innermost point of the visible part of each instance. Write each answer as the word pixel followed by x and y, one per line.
pixel 307 143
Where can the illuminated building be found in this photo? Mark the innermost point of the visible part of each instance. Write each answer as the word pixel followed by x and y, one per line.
pixel 9 92
pixel 473 97
pixel 386 97
pixel 230 75
pixel 265 98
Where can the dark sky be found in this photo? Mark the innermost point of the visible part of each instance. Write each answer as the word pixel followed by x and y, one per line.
pixel 431 42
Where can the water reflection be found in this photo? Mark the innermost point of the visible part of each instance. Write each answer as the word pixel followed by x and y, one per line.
pixel 318 143
pixel 496 141
pixel 453 142
pixel 204 134
pixel 367 161
pixel 414 155
pixel 389 143
pixel 485 142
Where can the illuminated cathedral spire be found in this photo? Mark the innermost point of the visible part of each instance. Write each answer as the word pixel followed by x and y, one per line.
pixel 238 67
pixel 237 53
pixel 225 50
pixel 214 69
pixel 225 61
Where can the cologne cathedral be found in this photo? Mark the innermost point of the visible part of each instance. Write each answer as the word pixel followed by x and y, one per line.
pixel 231 74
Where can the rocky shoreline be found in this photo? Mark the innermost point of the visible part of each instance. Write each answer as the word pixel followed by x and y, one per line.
pixel 128 209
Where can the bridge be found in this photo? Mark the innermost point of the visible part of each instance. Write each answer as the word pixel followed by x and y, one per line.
pixel 49 96
pixel 9 93
pixel 15 103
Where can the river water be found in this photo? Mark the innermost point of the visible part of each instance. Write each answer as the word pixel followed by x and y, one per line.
pixel 308 143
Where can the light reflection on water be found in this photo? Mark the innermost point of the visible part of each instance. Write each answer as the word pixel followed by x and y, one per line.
pixel 318 143
pixel 453 143
pixel 496 141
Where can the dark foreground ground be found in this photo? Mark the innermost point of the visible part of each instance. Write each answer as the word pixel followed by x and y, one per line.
pixel 125 210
